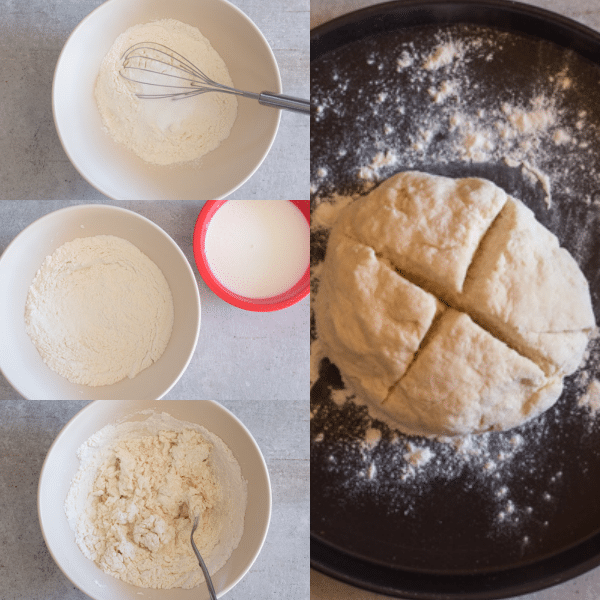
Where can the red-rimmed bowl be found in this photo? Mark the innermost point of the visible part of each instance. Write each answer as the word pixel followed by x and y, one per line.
pixel 293 295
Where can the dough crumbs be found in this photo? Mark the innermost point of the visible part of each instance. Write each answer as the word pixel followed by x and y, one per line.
pixel 132 502
pixel 372 437
pixel 417 456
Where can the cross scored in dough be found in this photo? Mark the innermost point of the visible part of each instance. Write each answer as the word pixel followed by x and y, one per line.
pixel 446 303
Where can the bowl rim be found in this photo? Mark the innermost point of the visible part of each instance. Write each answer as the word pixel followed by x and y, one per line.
pixel 73 159
pixel 72 423
pixel 116 209
pixel 284 300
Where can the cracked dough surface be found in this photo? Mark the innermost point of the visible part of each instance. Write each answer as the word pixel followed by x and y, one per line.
pixel 448 305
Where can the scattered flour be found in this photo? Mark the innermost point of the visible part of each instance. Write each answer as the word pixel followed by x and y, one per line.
pixel 137 489
pixel 445 90
pixel 444 55
pixel 539 117
pixel 417 456
pixel 164 131
pixel 591 398
pixel 457 121
pixel 437 113
pixel 99 310
pixel 405 60
pixel 326 213
pixel 380 160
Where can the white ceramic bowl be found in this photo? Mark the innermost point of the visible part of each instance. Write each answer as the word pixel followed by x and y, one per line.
pixel 117 172
pixel 21 363
pixel 61 464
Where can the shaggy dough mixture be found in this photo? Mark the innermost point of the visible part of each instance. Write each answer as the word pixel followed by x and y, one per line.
pixel 163 131
pixel 449 306
pixel 132 502
pixel 99 310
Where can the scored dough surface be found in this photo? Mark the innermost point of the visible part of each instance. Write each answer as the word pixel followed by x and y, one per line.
pixel 392 314
pixel 376 317
pixel 427 226
pixel 477 381
pixel 531 291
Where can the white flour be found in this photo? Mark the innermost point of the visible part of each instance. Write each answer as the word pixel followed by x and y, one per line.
pixel 99 310
pixel 591 397
pixel 165 131
pixel 139 482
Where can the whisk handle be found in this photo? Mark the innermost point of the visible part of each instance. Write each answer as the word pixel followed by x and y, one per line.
pixel 285 102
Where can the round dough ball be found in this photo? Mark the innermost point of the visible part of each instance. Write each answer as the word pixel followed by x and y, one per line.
pixel 449 306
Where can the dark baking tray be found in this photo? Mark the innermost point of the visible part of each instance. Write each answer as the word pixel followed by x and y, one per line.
pixel 443 549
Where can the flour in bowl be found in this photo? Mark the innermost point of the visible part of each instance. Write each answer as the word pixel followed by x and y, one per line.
pixel 99 310
pixel 165 131
pixel 132 500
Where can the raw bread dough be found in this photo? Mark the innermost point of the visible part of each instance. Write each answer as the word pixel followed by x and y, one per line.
pixel 377 317
pixel 477 378
pixel 429 227
pixel 529 290
pixel 99 310
pixel 131 500
pixel 491 317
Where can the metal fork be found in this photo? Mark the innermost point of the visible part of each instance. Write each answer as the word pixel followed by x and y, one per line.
pixel 211 589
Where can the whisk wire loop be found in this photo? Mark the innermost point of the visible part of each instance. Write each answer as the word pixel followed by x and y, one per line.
pixel 156 65
pixel 147 57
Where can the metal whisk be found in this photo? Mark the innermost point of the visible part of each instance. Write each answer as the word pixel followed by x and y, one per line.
pixel 152 64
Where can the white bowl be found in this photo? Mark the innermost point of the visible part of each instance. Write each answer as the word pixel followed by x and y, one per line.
pixel 20 361
pixel 117 172
pixel 61 464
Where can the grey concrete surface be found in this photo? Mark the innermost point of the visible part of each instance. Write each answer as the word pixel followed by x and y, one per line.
pixel 33 163
pixel 240 354
pixel 587 586
pixel 28 428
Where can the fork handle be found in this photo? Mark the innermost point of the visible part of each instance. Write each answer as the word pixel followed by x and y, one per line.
pixel 285 102
pixel 209 583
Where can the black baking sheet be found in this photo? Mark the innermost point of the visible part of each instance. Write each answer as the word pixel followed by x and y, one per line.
pixel 439 537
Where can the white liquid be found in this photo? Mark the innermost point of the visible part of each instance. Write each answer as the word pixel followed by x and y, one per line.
pixel 258 248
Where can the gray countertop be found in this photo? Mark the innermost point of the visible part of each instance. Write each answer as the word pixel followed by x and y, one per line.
pixel 586 586
pixel 254 364
pixel 28 428
pixel 240 354
pixel 33 163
